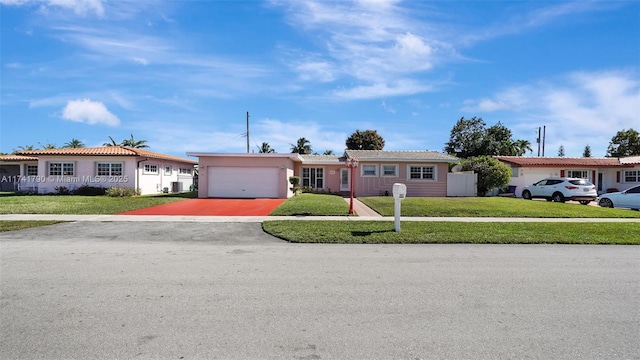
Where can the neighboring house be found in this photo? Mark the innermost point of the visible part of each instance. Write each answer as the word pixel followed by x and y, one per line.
pixel 42 171
pixel 606 173
pixel 267 175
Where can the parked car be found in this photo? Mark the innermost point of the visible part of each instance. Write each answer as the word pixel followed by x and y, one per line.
pixel 629 198
pixel 561 190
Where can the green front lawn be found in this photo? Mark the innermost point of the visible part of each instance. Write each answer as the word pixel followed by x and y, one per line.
pixel 491 207
pixel 312 205
pixel 82 205
pixel 382 232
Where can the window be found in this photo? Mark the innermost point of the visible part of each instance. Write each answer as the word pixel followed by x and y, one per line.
pixel 422 172
pixel 390 170
pixel 59 168
pixel 631 176
pixel 369 170
pixel 167 170
pixel 184 171
pixel 150 169
pixel 31 170
pixel 109 169
pixel 313 177
pixel 580 174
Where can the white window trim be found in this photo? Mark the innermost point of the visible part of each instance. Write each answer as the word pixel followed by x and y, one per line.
pixel 26 169
pixel 185 171
pixel 111 163
pixel 324 177
pixel 585 172
pixel 168 170
pixel 375 166
pixel 62 164
pixel 145 172
pixel 624 176
pixel 435 172
pixel 395 171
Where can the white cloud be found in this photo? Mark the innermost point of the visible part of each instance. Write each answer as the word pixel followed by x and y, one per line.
pixel 79 7
pixel 90 112
pixel 141 61
pixel 315 70
pixel 577 108
pixel 402 87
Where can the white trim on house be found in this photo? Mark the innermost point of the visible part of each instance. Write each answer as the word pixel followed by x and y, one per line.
pixel 424 173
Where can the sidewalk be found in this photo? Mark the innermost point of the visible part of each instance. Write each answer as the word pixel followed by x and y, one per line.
pixel 254 219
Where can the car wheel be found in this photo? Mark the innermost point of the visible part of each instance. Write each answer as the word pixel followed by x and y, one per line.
pixel 526 195
pixel 605 203
pixel 557 197
pixel 585 202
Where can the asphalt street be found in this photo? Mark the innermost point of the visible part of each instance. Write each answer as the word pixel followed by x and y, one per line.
pixel 228 291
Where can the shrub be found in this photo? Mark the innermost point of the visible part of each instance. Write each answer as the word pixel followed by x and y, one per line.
pixel 87 190
pixel 121 192
pixel 62 190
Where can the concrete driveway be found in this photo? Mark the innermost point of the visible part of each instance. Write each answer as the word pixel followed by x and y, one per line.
pixel 229 291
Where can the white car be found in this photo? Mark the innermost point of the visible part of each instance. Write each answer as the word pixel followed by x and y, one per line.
pixel 629 198
pixel 561 190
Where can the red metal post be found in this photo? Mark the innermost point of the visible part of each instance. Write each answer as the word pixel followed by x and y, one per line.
pixel 351 202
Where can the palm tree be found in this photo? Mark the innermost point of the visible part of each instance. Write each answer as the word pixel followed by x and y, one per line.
pixel 328 152
pixel 521 147
pixel 112 143
pixel 23 148
pixel 132 143
pixel 73 144
pixel 303 146
pixel 48 146
pixel 265 148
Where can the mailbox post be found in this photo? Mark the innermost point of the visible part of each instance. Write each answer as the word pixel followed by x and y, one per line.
pixel 399 193
pixel 352 163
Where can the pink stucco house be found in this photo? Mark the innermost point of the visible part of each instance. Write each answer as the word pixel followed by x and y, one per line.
pixel 267 175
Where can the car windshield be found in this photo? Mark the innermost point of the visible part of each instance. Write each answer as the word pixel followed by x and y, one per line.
pixel 581 182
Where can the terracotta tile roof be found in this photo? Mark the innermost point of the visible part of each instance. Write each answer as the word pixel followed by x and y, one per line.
pixel 104 151
pixel 17 158
pixel 382 155
pixel 559 161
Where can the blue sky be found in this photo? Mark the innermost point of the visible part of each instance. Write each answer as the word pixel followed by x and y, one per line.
pixel 183 74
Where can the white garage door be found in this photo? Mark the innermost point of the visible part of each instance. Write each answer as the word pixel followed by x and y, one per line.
pixel 234 182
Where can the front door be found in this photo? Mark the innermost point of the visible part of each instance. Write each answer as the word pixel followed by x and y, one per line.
pixel 345 178
pixel 599 183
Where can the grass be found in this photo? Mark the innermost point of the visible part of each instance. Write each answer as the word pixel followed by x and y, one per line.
pixel 381 232
pixel 491 207
pixel 313 205
pixel 82 205
pixel 19 225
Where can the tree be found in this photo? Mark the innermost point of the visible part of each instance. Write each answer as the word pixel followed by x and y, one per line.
pixel 23 148
pixel 561 151
pixel 265 148
pixel 522 146
pixel 328 152
pixel 497 141
pixel 492 173
pixel 466 138
pixel 73 144
pixel 302 146
pixel 133 143
pixel 587 151
pixel 48 146
pixel 365 140
pixel 110 143
pixel 624 143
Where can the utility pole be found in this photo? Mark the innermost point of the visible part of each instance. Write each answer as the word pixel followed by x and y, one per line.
pixel 538 141
pixel 544 137
pixel 247 132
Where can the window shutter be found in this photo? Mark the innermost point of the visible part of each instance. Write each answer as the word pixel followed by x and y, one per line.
pixel 593 175
pixel 561 173
pixel 47 171
pixel 617 176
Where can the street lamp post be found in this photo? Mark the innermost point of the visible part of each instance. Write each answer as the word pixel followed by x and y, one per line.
pixel 352 163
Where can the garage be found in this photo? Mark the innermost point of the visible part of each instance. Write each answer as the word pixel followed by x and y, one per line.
pixel 243 182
